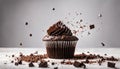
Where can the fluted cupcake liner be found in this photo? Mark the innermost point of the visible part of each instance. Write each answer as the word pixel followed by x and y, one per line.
pixel 60 49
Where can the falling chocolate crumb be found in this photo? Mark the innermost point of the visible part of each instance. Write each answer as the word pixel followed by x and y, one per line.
pixel 92 26
pixel 26 23
pixel 21 44
pixel 102 44
pixel 30 35
pixel 55 67
pixel 111 64
pixel 53 9
pixel 31 64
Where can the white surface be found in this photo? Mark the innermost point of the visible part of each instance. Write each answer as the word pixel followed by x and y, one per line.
pixel 10 51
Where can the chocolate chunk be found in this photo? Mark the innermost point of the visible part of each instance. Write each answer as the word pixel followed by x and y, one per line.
pixel 31 64
pixel 92 26
pixel 20 62
pixel 43 64
pixel 16 63
pixel 111 64
pixel 102 44
pixel 55 67
pixel 26 23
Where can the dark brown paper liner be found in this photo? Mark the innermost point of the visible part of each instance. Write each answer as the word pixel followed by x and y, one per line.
pixel 60 49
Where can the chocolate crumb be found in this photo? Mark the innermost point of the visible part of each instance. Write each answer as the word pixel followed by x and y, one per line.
pixel 31 64
pixel 16 63
pixel 69 62
pixel 78 64
pixel 92 26
pixel 62 62
pixel 43 64
pixel 20 62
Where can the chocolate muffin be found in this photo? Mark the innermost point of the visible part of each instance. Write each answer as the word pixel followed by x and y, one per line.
pixel 60 42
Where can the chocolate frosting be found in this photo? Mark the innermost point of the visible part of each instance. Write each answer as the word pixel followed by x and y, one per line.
pixel 59 32
pixel 59 29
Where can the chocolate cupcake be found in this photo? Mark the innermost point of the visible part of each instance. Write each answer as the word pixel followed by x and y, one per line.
pixel 60 43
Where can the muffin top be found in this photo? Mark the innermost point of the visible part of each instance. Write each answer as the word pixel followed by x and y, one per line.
pixel 59 32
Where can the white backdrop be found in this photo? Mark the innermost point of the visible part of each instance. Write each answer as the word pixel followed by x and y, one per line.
pixel 39 15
